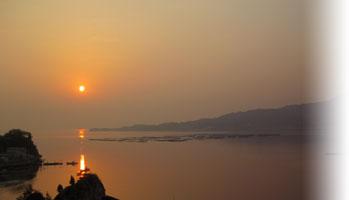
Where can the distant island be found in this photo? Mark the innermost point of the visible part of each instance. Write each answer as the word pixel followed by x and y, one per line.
pixel 289 118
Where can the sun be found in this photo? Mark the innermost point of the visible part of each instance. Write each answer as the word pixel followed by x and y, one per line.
pixel 82 88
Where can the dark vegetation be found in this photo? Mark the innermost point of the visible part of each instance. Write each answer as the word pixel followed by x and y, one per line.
pixel 31 194
pixel 19 157
pixel 88 187
pixel 18 138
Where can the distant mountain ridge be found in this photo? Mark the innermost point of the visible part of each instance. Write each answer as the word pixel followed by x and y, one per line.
pixel 288 118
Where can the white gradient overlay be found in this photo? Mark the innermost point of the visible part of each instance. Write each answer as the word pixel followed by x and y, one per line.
pixel 332 181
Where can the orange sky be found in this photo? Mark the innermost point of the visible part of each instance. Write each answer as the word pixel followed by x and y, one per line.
pixel 147 61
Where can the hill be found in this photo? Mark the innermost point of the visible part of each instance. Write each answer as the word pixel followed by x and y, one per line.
pixel 288 118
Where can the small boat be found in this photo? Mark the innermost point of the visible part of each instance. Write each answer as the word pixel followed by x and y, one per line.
pixel 72 163
pixel 52 163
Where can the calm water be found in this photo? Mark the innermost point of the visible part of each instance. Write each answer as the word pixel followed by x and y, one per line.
pixel 244 169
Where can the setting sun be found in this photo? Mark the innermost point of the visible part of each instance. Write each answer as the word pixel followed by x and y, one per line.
pixel 82 88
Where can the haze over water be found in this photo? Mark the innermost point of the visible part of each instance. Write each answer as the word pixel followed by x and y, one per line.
pixel 149 61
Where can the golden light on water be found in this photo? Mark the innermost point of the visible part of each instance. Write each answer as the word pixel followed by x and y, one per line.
pixel 82 163
pixel 81 133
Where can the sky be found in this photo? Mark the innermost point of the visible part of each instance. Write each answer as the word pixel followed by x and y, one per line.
pixel 148 61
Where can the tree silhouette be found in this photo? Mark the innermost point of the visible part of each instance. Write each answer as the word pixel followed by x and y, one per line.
pixel 59 188
pixel 72 180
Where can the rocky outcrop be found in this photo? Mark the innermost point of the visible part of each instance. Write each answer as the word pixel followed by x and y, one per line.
pixel 18 142
pixel 19 156
pixel 89 187
pixel 30 194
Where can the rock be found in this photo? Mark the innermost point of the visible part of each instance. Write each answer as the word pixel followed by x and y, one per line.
pixel 35 196
pixel 109 198
pixel 89 187
pixel 30 194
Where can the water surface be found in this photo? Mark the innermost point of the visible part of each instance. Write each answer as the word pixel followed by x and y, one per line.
pixel 254 168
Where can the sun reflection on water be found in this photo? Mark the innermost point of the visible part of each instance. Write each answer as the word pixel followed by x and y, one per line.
pixel 82 163
pixel 83 169
pixel 81 133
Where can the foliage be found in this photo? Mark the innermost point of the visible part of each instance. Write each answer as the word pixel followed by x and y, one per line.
pixel 72 180
pixel 18 138
pixel 59 188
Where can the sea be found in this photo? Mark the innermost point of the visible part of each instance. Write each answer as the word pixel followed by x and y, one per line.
pixel 175 165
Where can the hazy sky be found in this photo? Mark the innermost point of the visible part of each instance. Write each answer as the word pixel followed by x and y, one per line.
pixel 146 61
